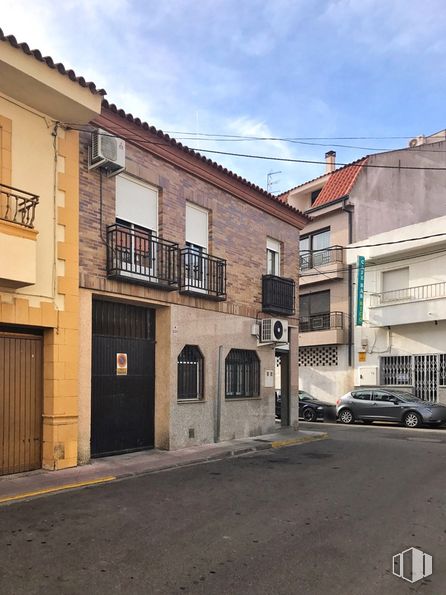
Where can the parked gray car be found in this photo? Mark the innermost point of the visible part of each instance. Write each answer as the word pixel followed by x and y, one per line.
pixel 376 404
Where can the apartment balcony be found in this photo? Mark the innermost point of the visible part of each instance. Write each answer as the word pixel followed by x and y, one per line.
pixel 423 303
pixel 323 329
pixel 202 274
pixel 278 295
pixel 137 257
pixel 18 238
pixel 320 265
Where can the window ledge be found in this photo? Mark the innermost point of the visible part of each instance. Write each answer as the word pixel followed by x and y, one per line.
pixel 243 399
pixel 189 401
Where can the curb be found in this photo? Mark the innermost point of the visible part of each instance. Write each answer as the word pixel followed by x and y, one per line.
pixel 267 445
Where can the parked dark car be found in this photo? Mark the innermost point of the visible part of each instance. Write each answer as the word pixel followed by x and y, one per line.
pixel 311 409
pixel 370 404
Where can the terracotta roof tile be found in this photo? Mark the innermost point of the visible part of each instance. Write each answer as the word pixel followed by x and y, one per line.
pixel 112 107
pixel 339 183
pixel 24 47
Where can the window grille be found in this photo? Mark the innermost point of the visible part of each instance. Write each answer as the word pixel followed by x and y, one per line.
pixel 396 370
pixel 242 374
pixel 442 369
pixel 190 373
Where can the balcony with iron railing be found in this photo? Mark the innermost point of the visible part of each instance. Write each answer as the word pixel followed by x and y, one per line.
pixel 18 238
pixel 202 274
pixel 17 206
pixel 323 329
pixel 318 265
pixel 142 258
pixel 278 295
pixel 410 294
pixel 421 303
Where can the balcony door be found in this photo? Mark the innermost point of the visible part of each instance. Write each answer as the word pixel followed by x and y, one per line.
pixel 315 311
pixel 195 261
pixel 137 226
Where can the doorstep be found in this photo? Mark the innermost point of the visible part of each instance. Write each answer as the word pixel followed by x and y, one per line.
pixel 33 484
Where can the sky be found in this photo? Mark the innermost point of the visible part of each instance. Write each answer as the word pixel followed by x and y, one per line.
pixel 324 71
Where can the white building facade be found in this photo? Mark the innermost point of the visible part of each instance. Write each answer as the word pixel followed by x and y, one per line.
pixel 402 341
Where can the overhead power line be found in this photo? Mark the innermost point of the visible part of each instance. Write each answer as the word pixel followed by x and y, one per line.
pixel 391 242
pixel 369 265
pixel 202 150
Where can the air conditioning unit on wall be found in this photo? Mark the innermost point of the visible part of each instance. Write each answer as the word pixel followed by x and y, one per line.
pixel 273 330
pixel 107 152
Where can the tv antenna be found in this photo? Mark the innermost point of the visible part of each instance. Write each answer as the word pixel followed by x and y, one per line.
pixel 269 180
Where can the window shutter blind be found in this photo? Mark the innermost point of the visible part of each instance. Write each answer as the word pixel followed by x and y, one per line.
pixel 136 202
pixel 197 226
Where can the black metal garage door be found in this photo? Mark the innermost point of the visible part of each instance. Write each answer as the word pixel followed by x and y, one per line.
pixel 123 374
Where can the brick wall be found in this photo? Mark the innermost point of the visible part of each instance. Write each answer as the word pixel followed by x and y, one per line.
pixel 237 231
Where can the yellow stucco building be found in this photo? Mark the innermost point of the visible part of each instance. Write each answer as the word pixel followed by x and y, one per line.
pixel 39 262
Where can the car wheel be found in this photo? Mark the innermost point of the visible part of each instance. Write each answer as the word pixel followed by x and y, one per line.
pixel 346 416
pixel 412 420
pixel 309 414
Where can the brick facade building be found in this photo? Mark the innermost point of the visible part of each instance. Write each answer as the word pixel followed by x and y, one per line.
pixel 183 245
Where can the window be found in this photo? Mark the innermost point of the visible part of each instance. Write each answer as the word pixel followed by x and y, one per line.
pixel 314 195
pixel 314 250
pixel 197 234
pixel 197 227
pixel 383 397
pixel 272 257
pixel 395 285
pixel 314 311
pixel 190 373
pixel 242 374
pixel 362 396
pixel 137 224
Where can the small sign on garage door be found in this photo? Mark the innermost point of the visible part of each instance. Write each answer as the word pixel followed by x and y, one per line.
pixel 121 364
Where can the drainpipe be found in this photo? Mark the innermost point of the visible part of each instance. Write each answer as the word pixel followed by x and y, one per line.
pixel 217 426
pixel 349 210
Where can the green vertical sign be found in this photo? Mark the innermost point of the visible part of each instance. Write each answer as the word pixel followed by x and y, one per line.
pixel 360 291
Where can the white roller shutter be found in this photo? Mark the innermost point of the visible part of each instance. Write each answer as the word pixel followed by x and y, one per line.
pixel 136 202
pixel 197 226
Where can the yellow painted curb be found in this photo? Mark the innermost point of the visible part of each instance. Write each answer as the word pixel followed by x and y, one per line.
pixel 68 486
pixel 291 441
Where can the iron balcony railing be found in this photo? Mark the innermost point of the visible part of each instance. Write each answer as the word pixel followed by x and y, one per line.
pixel 322 322
pixel 278 295
pixel 140 257
pixel 317 258
pixel 410 294
pixel 17 206
pixel 202 274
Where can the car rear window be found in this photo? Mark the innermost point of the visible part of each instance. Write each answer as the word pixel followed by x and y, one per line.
pixel 361 396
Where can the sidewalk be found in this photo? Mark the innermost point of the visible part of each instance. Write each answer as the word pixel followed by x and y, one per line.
pixel 38 483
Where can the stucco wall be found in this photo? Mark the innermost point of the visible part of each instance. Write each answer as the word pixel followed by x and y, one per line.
pixel 328 383
pixel 239 417
pixel 388 199
pixel 32 159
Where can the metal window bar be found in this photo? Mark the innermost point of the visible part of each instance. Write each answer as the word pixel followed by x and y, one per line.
pixel 396 370
pixel 442 369
pixel 311 259
pixel 242 374
pixel 410 294
pixel 202 273
pixel 190 373
pixel 17 206
pixel 140 256
pixel 322 322
pixel 278 295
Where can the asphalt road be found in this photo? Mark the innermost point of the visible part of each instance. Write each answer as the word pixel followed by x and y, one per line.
pixel 324 518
